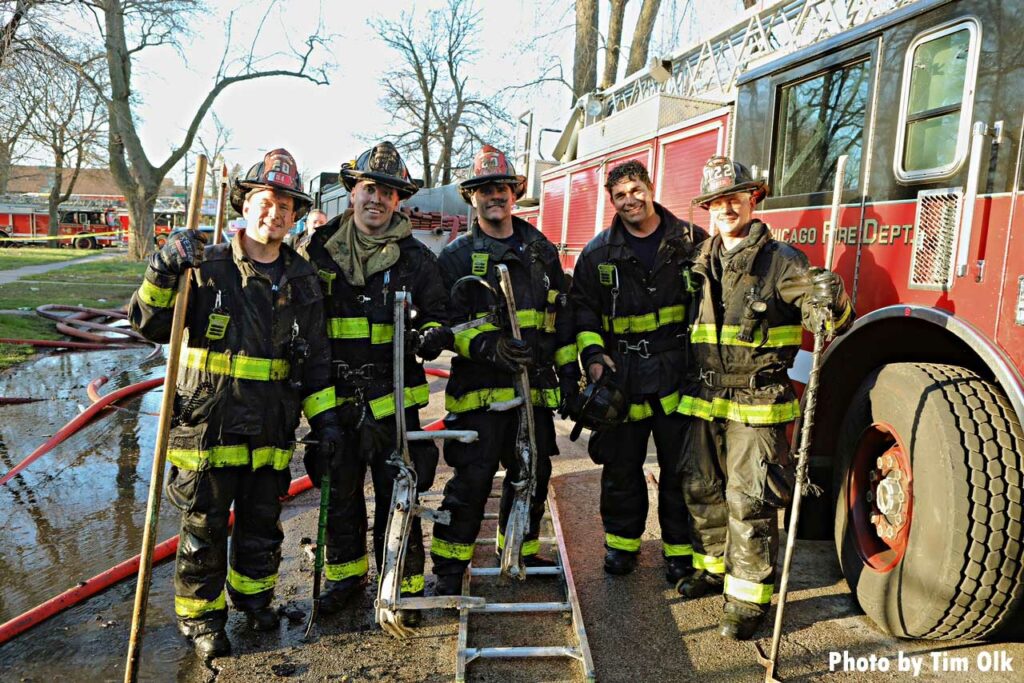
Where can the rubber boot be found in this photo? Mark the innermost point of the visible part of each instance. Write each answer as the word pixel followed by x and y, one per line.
pixel 678 568
pixel 448 584
pixel 619 562
pixel 701 583
pixel 262 619
pixel 211 645
pixel 337 593
pixel 741 620
pixel 411 618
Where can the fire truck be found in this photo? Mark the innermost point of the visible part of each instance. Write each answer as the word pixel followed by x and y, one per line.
pixel 86 222
pixel 917 438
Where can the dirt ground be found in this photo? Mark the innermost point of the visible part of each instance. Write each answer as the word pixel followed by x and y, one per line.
pixel 638 628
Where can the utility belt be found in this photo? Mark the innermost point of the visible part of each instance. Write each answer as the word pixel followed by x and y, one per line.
pixel 645 348
pixel 714 379
pixel 360 375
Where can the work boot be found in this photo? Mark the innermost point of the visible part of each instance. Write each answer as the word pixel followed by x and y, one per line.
pixel 678 568
pixel 740 620
pixel 448 584
pixel 337 593
pixel 619 562
pixel 411 618
pixel 538 561
pixel 700 583
pixel 211 645
pixel 262 619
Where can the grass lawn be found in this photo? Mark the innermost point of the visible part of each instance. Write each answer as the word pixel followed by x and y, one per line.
pixel 33 256
pixel 22 327
pixel 115 270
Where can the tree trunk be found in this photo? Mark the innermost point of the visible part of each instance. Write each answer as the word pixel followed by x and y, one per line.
pixel 747 4
pixel 5 166
pixel 642 36
pixel 614 45
pixel 584 69
pixel 140 216
pixel 53 199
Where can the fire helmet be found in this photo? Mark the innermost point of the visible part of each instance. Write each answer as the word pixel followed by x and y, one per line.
pixel 600 406
pixel 490 165
pixel 277 171
pixel 723 176
pixel 380 164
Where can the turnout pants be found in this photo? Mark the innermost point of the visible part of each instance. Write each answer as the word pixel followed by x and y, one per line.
pixel 204 498
pixel 475 464
pixel 346 518
pixel 622 450
pixel 734 482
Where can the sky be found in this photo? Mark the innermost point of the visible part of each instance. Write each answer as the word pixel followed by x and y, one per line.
pixel 325 125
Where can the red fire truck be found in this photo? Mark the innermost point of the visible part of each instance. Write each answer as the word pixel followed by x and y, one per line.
pixel 86 222
pixel 917 438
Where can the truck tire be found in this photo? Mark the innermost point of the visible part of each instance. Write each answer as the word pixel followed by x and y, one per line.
pixel 4 244
pixel 928 522
pixel 85 243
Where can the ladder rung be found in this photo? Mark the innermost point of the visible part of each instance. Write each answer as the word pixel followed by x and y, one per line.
pixel 513 607
pixel 492 541
pixel 500 652
pixel 530 571
pixel 494 515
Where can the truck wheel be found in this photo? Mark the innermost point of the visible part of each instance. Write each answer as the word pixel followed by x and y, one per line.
pixel 4 244
pixel 929 514
pixel 85 242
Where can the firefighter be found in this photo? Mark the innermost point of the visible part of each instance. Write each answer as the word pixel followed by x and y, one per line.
pixel 488 357
pixel 754 295
pixel 315 220
pixel 629 298
pixel 256 355
pixel 363 257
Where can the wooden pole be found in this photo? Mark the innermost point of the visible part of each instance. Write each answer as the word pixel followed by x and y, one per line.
pixel 156 479
pixel 222 209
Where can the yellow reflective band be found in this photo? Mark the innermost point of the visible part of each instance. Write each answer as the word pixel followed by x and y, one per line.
pixel 153 295
pixel 724 409
pixel 670 403
pixel 531 547
pixel 191 608
pixel 565 355
pixel 337 572
pixel 585 339
pixel 318 402
pixel 360 328
pixel 778 337
pixel 748 591
pixel 246 586
pixel 676 549
pixel 552 296
pixel 229 456
pixel 342 400
pixel 412 584
pixel 483 398
pixel 239 367
pixel 384 406
pixel 648 322
pixel 450 550
pixel 631 545
pixel 709 563
pixel 463 339
pixel 836 324
pixel 427 326
pixel 639 411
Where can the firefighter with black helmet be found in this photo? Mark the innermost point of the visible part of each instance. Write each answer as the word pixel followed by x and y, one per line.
pixel 256 355
pixel 754 295
pixel 488 357
pixel 363 257
pixel 630 296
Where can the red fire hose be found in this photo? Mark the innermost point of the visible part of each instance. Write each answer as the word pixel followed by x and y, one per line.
pixel 437 372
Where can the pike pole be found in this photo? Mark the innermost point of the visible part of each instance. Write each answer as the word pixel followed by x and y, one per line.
pixel 222 204
pixel 823 326
pixel 321 542
pixel 163 430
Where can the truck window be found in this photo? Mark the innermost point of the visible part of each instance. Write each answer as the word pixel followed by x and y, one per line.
pixel 820 119
pixel 938 87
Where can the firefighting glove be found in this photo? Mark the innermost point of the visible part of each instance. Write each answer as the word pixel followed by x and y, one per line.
pixel 325 455
pixel 435 340
pixel 376 441
pixel 184 250
pixel 569 383
pixel 826 287
pixel 505 353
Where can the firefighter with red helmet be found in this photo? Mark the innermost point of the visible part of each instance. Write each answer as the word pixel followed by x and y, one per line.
pixel 363 257
pixel 256 355
pixel 630 295
pixel 488 357
pixel 754 295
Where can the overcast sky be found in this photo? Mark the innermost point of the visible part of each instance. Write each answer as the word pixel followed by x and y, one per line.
pixel 322 125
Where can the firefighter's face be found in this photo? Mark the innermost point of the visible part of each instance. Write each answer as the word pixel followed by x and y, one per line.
pixel 315 219
pixel 731 215
pixel 269 215
pixel 633 201
pixel 373 205
pixel 493 201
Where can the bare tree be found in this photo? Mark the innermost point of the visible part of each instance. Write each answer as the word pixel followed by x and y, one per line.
pixel 69 124
pixel 213 144
pixel 18 11
pixel 641 42
pixel 128 27
pixel 17 113
pixel 584 71
pixel 435 113
pixel 613 46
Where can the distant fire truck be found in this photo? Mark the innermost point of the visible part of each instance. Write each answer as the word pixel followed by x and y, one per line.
pixel 918 437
